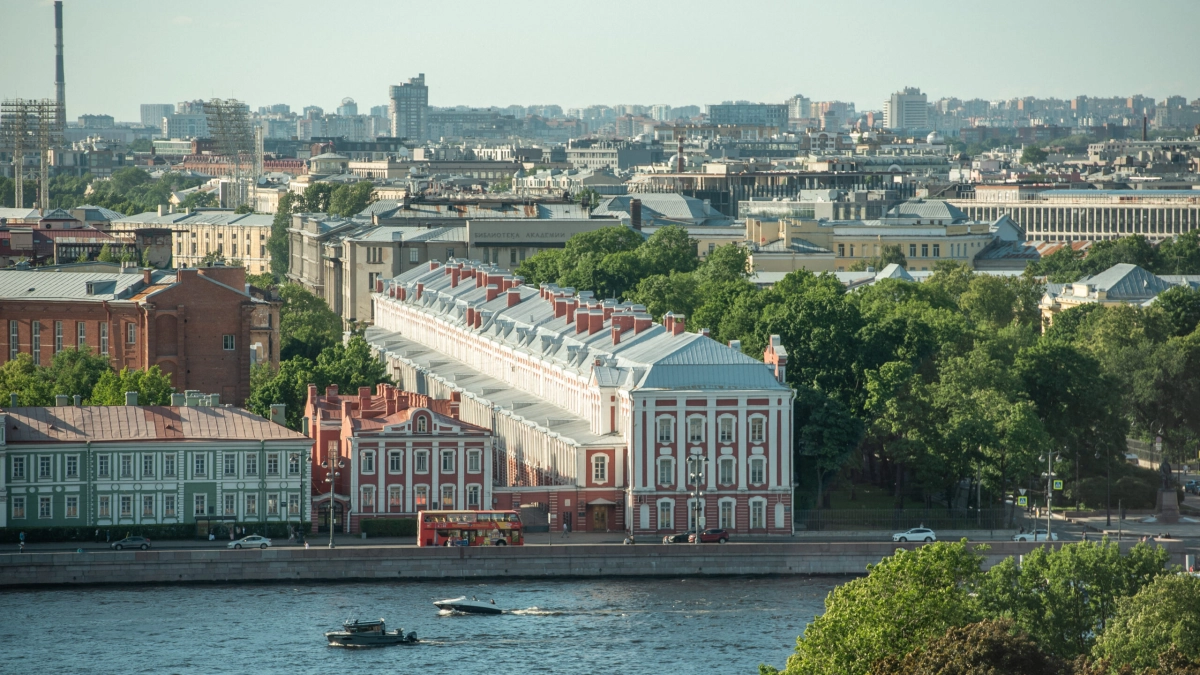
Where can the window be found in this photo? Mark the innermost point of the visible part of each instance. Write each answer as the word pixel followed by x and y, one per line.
pixel 758 514
pixel 168 506
pixel 474 461
pixel 80 334
pixel 599 469
pixel 230 464
pixel 726 430
pixel 19 507
pixel 251 464
pixel 725 471
pixel 147 466
pixel 293 505
pixel 45 467
pixel 18 468
pixel 422 425
pixel 758 467
pixel 368 461
pixel 130 333
pixel 726 516
pixel 272 504
pixel 695 430
pixel 58 337
pixel 230 504
pixel 251 505
pixel 262 251
pixel 35 345
pixel 273 464
pixel 126 506
pixel 233 248
pixel 421 496
pixel 104 338
pixel 447 496
pixel 447 461
pixel 912 250
pixel 421 461
pixel 666 429
pixel 666 515
pixel 924 250
pixel 368 498
pixel 102 463
pixel 666 471
pixel 46 507
pixel 394 498
pixel 294 464
pixel 413 255
pixel 472 496
pixel 841 250
pixel 200 505
pixel 937 250
pixel 512 256
pixel 148 506
pixel 14 340
pixel 72 466
pixel 757 429
pixel 168 465
pixel 227 342
pixel 126 466
pixel 395 461
pixel 372 277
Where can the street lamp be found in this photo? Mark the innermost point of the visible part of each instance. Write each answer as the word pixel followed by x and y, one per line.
pixel 1050 460
pixel 330 477
pixel 697 464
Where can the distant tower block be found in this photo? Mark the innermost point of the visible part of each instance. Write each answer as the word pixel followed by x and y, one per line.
pixel 60 82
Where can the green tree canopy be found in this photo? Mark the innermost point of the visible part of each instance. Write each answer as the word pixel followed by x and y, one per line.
pixel 1033 155
pixel 991 647
pixel 349 200
pixel 1163 615
pixel 152 386
pixel 307 326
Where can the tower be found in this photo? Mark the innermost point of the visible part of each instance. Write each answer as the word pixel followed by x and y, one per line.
pixel 60 84
pixel 409 107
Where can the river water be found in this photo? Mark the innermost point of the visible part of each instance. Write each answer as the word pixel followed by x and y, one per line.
pixel 706 625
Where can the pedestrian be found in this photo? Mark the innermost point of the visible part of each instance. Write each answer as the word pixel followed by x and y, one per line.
pixel 566 529
pixel 107 536
pixel 22 538
pixel 306 545
pixel 211 536
pixel 97 535
pixel 1085 535
pixel 22 544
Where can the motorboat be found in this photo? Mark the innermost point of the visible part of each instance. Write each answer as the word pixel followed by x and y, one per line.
pixel 357 633
pixel 472 606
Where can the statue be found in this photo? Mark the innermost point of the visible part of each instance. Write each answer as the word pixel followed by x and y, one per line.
pixel 1165 470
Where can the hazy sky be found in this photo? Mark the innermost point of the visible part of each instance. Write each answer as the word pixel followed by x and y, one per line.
pixel 120 53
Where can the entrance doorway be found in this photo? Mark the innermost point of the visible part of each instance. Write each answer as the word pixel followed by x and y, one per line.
pixel 323 517
pixel 600 518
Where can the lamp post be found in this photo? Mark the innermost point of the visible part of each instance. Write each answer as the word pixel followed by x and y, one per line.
pixel 330 477
pixel 1050 459
pixel 696 470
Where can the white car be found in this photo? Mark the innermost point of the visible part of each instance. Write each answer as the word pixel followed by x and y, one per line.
pixel 1037 535
pixel 253 541
pixel 916 534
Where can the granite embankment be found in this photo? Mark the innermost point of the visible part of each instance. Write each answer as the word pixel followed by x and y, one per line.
pixel 396 562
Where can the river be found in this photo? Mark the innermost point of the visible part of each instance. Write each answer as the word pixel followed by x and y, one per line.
pixel 695 625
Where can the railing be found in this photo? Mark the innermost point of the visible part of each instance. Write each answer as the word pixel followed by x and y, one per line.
pixel 1145 451
pixel 899 520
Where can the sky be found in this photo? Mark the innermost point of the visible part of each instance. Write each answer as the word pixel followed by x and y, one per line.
pixel 121 53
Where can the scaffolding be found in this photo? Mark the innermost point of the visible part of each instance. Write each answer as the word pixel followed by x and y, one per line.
pixel 26 124
pixel 229 125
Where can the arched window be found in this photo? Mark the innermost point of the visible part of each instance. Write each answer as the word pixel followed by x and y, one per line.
pixel 422 424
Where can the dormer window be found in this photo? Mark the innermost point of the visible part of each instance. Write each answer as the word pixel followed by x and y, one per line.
pixel 422 425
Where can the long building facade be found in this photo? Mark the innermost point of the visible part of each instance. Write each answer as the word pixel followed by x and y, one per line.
pixel 597 412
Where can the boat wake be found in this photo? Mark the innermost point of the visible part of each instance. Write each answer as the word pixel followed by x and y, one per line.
pixel 534 611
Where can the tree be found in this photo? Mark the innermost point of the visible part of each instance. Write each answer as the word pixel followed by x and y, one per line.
pixel 888 255
pixel 675 292
pixel 73 371
pixel 668 250
pixel 826 433
pixel 244 208
pixel 198 199
pixel 277 243
pixel 730 262
pixel 317 198
pixel 1163 615
pixel 904 601
pixel 540 268
pixel 106 255
pixel 1181 307
pixel 991 647
pixel 264 281
pixel 1181 254
pixel 1033 155
pixel 20 376
pixel 306 324
pixel 349 200
pixel 152 386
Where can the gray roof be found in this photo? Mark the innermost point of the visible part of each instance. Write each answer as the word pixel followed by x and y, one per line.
pixel 201 217
pixel 1127 281
pixel 934 209
pixel 95 213
pixel 664 206
pixel 72 285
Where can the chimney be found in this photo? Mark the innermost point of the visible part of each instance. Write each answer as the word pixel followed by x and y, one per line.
pixel 570 306
pixel 624 321
pixel 583 317
pixel 78 400
pixel 470 316
pixel 560 306
pixel 162 209
pixel 62 400
pixel 704 332
pixel 364 397
pixel 616 334
pixel 455 275
pixel 641 322
pixel 12 400
pixel 420 290
pixel 635 214
pixel 678 326
pixel 277 414
pixel 669 322
pixel 735 344
pixel 331 393
pixel 389 405
pixel 180 400
pixel 433 265
pixel 60 83
pixel 378 285
pixel 514 296
pixel 131 398
pixel 679 159
pixel 595 321
pixel 492 291
pixel 480 278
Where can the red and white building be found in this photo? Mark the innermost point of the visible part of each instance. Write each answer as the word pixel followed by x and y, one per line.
pixel 595 408
pixel 401 453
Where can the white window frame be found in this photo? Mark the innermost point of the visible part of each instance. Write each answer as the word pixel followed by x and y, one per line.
pixel 228 343
pixel 758 514
pixel 367 461
pixel 18 508
pixel 447 495
pixel 422 424
pixel 58 336
pixel 421 498
pixel 229 508
pixel 18 468
pixel 395 498
pixel 104 338
pixel 758 470
pixel 726 429
pixel 72 466
pixel 273 464
pixel 126 466
pixel 367 499
pixel 474 496
pixel 600 468
pixel 395 461
pixel 272 503
pixel 474 461
pixel 35 347
pixel 147 462
pixel 293 464
pixel 103 466
pixel 168 506
pixel 758 435
pixel 448 461
pixel 695 425
pixel 727 514
pixel 200 504
pixel 726 468
pixel 665 507
pixel 421 461
pixel 104 506
pixel 125 504
pixel 45 507
pixel 131 333
pixel 72 506
pixel 14 339
pixel 229 460
pixel 45 467
pixel 293 501
pixel 80 334
pixel 251 502
pixel 199 464
pixel 168 465
pixel 664 429
pixel 147 501
pixel 665 466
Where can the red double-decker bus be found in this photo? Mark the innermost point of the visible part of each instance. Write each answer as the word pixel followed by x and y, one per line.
pixel 469 528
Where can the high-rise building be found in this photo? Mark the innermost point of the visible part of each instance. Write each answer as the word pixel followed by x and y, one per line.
pixel 409 108
pixel 744 112
pixel 908 109
pixel 379 111
pixel 661 112
pixel 153 113
pixel 348 107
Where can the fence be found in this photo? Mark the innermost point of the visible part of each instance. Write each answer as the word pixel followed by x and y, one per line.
pixel 903 519
pixel 1145 452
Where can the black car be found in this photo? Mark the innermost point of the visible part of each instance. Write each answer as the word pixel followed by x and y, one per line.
pixel 676 538
pixel 131 542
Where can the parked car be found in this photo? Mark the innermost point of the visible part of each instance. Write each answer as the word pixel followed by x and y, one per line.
pixel 131 542
pixel 252 541
pixel 1192 487
pixel 916 534
pixel 1036 535
pixel 710 535
pixel 676 538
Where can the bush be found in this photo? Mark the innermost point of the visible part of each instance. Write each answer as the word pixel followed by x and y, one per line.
pixel 389 527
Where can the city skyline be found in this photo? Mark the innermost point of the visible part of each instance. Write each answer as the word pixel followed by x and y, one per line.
pixel 312 69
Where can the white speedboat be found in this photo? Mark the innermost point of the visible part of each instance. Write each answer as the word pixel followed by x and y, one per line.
pixel 472 606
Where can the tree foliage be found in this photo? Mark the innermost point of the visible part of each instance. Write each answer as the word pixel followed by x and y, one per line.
pixel 152 386
pixel 1163 616
pixel 992 647
pixel 80 373
pixel 307 326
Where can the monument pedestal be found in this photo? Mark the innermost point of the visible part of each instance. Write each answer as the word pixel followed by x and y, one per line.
pixel 1168 506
